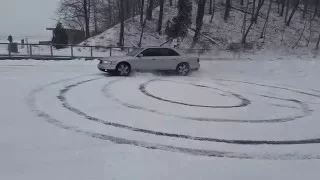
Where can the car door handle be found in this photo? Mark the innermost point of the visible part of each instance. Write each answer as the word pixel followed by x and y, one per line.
pixel 153 59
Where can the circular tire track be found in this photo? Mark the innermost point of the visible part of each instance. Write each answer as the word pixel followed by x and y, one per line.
pixel 244 101
pixel 270 86
pixel 304 107
pixel 66 105
pixel 31 101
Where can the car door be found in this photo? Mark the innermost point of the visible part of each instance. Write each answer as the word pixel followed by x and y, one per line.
pixel 170 59
pixel 149 59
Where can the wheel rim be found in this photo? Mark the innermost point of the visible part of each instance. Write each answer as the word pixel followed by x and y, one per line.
pixel 183 69
pixel 123 69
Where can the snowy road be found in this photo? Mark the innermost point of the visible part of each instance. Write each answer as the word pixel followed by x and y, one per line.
pixel 230 120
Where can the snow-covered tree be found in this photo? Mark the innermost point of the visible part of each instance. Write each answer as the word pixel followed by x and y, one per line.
pixel 180 24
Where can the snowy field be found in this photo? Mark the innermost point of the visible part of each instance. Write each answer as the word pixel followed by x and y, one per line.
pixel 230 120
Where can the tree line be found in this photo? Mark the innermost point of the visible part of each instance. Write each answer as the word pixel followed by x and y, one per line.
pixel 95 16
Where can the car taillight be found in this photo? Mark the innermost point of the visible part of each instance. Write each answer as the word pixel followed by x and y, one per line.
pixel 198 59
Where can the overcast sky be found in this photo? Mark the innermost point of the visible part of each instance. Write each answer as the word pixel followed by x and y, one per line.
pixel 26 17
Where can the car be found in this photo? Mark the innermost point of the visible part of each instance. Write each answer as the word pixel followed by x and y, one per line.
pixel 150 59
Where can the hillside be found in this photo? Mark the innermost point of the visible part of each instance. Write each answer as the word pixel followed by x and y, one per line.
pixel 221 32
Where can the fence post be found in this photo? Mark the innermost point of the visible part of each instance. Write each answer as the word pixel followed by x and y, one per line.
pixel 9 49
pixel 110 51
pixel 71 52
pixel 91 49
pixel 30 47
pixel 51 50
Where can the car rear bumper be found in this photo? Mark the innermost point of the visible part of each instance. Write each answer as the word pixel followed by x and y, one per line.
pixel 195 67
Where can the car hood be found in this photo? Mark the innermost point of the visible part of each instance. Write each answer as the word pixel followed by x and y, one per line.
pixel 117 58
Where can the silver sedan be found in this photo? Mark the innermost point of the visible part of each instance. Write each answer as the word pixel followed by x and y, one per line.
pixel 150 59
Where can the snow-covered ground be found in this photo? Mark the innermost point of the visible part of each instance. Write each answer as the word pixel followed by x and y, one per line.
pixel 230 120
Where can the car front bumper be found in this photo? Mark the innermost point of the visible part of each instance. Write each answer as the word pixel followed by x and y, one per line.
pixel 107 67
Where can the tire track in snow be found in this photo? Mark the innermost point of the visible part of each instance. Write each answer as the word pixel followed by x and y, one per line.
pixel 270 86
pixel 305 109
pixel 32 99
pixel 244 101
pixel 65 104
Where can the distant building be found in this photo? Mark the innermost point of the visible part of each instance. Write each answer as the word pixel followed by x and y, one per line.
pixel 74 36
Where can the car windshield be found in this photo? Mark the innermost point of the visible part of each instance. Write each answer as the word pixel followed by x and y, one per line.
pixel 134 52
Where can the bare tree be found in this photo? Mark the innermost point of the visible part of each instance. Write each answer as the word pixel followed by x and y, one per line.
pixel 70 12
pixel 141 12
pixel 160 17
pixel 149 10
pixel 318 42
pixel 304 28
pixel 262 35
pixel 86 17
pixel 122 19
pixel 316 8
pixel 287 11
pixel 227 10
pixel 305 8
pixel 212 9
pixel 142 31
pixel 282 7
pixel 244 24
pixel 260 4
pixel 310 28
pixel 95 18
pixel 75 14
pixel 253 9
pixel 199 21
pixel 295 7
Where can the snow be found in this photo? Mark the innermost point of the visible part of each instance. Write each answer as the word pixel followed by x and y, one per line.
pixel 221 32
pixel 245 119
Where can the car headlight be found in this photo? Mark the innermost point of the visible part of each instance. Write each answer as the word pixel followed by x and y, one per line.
pixel 105 62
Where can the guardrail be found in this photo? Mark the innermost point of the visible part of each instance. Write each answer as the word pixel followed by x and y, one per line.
pixel 48 51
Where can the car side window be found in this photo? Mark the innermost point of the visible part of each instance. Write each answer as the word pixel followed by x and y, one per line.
pixel 159 52
pixel 172 53
pixel 164 52
pixel 149 52
pixel 167 52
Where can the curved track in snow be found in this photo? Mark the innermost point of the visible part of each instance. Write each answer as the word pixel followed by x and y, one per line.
pixel 134 124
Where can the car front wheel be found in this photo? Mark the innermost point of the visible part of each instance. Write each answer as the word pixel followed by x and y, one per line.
pixel 183 69
pixel 123 69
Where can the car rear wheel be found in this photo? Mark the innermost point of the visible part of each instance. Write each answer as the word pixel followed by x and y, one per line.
pixel 183 69
pixel 123 69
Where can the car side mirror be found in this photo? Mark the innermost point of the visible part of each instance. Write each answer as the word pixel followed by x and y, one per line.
pixel 140 55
